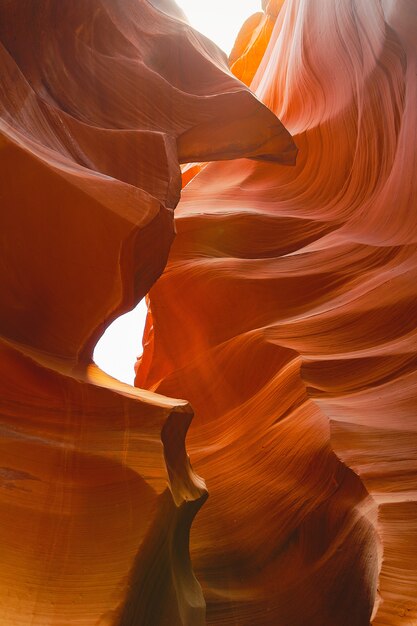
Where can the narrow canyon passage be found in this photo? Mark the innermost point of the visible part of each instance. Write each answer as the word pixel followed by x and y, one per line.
pixel 287 317
pixel 279 355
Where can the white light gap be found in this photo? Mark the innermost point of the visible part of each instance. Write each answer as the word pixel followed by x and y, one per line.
pixel 219 20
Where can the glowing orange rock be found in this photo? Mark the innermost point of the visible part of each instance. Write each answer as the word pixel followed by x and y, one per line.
pixel 253 40
pixel 288 304
pixel 99 102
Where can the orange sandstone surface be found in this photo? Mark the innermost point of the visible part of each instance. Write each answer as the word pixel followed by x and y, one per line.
pixel 100 101
pixel 285 316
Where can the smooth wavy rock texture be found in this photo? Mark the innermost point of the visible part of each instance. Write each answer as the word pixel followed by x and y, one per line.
pixel 287 317
pixel 100 100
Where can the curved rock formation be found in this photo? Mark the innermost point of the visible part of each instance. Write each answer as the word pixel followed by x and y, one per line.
pixel 288 304
pixel 100 101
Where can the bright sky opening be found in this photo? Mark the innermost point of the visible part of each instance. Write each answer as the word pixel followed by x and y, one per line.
pixel 121 344
pixel 219 20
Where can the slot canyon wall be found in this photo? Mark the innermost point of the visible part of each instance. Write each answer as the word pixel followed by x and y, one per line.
pixel 287 317
pixel 282 311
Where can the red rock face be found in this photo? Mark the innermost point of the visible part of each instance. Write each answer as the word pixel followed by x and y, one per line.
pixel 287 317
pixel 99 103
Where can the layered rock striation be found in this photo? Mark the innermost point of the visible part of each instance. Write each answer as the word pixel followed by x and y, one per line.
pixel 100 101
pixel 287 317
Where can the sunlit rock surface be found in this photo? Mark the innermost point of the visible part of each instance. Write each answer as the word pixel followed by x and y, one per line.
pixel 287 317
pixel 100 100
